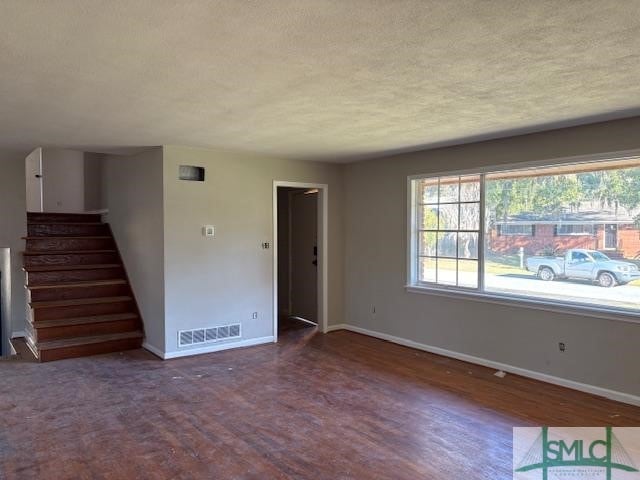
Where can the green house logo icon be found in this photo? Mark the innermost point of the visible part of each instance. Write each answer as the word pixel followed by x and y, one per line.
pixel 576 456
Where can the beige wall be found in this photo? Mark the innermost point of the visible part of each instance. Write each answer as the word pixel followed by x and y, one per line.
pixel 599 352
pixel 133 192
pixel 13 226
pixel 225 279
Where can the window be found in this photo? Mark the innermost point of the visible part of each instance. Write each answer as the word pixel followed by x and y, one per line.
pixel 448 210
pixel 511 229
pixel 580 229
pixel 530 234
pixel 579 257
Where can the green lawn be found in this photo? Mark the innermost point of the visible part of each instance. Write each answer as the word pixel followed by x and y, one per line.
pixel 491 266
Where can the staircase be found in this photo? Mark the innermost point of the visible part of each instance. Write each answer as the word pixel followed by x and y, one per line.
pixel 79 295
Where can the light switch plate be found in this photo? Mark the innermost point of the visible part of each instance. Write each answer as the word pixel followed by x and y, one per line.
pixel 209 231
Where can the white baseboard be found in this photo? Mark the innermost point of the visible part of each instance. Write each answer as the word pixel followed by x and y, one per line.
pixel 155 350
pixel 338 326
pixel 543 377
pixel 18 334
pixel 218 347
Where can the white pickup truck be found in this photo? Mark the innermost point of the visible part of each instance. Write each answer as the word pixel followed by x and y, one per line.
pixel 586 265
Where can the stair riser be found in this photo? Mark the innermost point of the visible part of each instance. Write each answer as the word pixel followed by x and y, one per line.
pixel 92 349
pixel 71 293
pixel 61 244
pixel 44 230
pixel 72 311
pixel 68 276
pixel 71 331
pixel 62 217
pixel 71 259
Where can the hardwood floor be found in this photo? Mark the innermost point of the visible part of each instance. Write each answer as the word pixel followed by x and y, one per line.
pixel 336 406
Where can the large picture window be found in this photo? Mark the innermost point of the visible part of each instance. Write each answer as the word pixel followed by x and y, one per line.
pixel 567 234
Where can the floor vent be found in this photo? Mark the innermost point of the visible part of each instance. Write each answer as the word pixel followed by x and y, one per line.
pixel 200 336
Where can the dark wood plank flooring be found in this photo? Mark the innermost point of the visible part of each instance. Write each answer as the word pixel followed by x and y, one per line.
pixel 336 406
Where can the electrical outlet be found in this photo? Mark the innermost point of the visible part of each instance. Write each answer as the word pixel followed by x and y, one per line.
pixel 562 347
pixel 373 309
pixel 254 315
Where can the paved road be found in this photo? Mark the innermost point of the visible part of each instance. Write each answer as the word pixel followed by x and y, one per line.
pixel 626 296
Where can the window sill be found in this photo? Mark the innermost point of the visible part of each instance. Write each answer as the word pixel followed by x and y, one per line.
pixel 526 302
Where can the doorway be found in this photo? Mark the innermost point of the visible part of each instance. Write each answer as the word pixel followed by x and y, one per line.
pixel 611 236
pixel 300 286
pixel 33 176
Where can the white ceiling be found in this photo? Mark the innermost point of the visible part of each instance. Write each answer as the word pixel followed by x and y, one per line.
pixel 310 79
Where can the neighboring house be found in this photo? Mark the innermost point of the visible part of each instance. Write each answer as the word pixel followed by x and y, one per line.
pixel 617 235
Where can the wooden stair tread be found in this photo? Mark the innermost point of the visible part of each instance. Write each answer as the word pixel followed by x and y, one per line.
pixel 64 322
pixel 78 284
pixel 78 341
pixel 67 237
pixel 80 301
pixel 84 262
pixel 64 252
pixel 70 214
pixel 67 223
pixel 62 268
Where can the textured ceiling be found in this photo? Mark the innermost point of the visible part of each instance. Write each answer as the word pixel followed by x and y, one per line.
pixel 309 79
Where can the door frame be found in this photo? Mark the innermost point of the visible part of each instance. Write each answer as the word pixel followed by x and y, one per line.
pixel 323 251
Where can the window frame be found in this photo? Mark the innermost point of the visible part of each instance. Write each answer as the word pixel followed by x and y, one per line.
pixel 501 233
pixel 479 293
pixel 557 232
pixel 437 257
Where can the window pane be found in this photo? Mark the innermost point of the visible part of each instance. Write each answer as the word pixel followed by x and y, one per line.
pixel 468 273
pixel 447 244
pixel 510 229
pixel 447 271
pixel 427 268
pixel 470 189
pixel 428 217
pixel 428 192
pixel 448 217
pixel 469 216
pixel 552 233
pixel 449 189
pixel 428 243
pixel 467 245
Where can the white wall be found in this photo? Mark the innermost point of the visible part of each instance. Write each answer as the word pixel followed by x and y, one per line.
pixel 13 226
pixel 63 180
pixel 133 193
pixel 216 281
pixel 93 181
pixel 599 352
